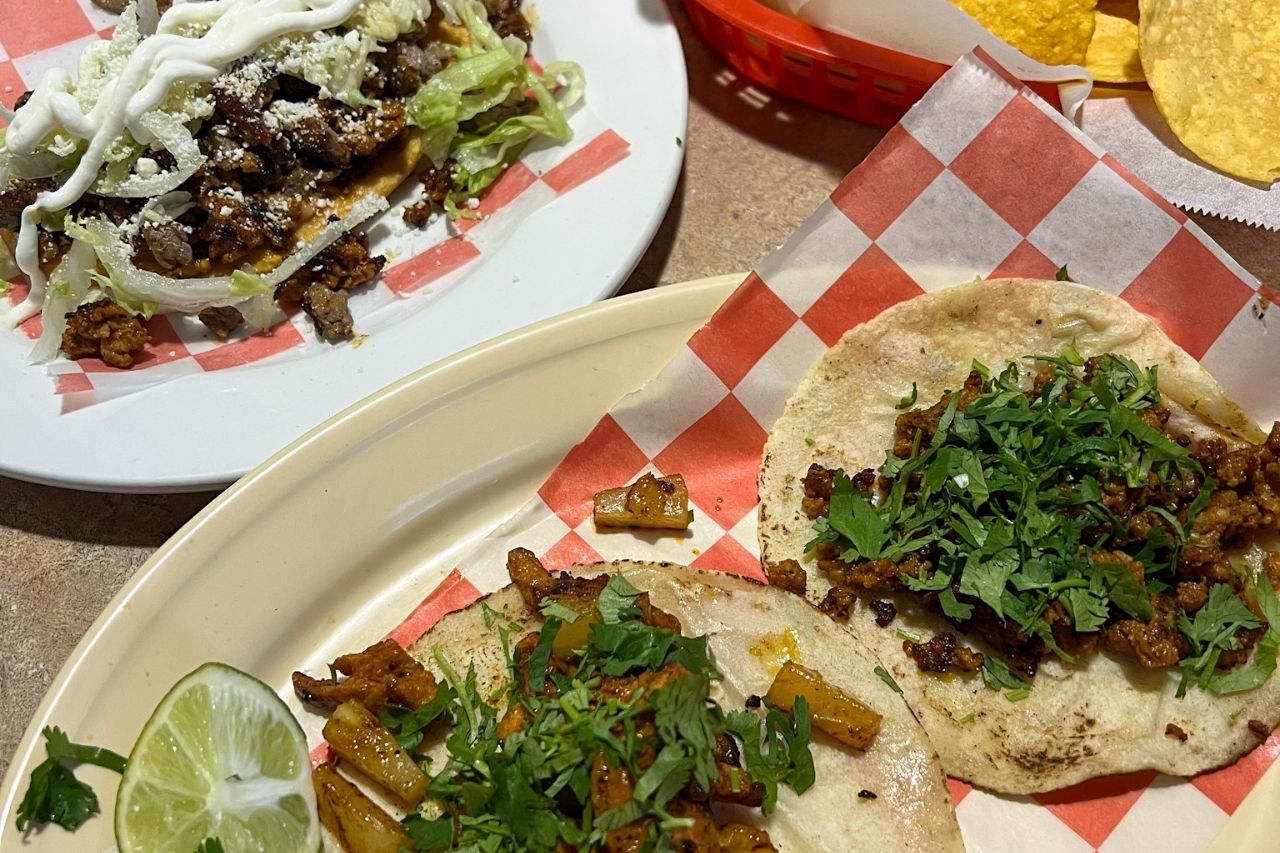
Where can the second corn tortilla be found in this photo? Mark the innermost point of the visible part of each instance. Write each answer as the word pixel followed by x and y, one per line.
pixel 1102 717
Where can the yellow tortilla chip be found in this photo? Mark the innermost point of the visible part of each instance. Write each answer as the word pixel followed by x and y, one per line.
pixel 1055 32
pixel 1214 69
pixel 1113 52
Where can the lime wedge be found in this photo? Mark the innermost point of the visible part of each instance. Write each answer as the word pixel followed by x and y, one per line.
pixel 221 757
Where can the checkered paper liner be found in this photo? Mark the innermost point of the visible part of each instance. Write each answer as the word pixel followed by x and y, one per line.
pixel 981 178
pixel 422 264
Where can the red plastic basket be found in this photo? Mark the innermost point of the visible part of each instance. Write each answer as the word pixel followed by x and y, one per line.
pixel 845 76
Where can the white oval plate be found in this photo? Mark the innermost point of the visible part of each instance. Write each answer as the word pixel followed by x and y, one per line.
pixel 335 539
pixel 331 543
pixel 204 431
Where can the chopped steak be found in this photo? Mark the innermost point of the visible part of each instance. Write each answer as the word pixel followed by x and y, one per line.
pixel 884 610
pixel 51 246
pixel 787 575
pixel 344 266
pixel 508 20
pixel 17 195
pixel 838 603
pixel 221 321
pixel 436 185
pixel 362 129
pixel 168 243
pixel 104 329
pixel 328 308
pixel 315 139
pixel 407 63
pixel 942 654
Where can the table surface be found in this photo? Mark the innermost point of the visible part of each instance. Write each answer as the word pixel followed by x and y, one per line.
pixel 755 166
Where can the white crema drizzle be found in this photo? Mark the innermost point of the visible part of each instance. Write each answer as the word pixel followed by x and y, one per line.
pixel 232 29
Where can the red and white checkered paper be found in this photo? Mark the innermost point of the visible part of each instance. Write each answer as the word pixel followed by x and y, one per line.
pixel 422 263
pixel 981 178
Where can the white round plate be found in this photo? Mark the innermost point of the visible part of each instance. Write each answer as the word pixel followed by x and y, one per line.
pixel 206 430
pixel 338 537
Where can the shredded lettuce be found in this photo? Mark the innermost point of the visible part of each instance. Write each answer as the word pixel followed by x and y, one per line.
pixel 69 284
pixel 335 60
pixel 487 72
pixel 97 242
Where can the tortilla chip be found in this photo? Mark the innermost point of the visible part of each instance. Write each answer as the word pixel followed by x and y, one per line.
pixel 1113 52
pixel 394 166
pixel 1055 32
pixel 1214 69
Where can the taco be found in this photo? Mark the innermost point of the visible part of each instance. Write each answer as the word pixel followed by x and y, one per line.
pixel 1051 525
pixel 638 704
pixel 221 164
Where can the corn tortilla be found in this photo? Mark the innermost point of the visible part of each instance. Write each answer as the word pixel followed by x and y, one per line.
pixel 1214 69
pixel 1103 716
pixel 912 809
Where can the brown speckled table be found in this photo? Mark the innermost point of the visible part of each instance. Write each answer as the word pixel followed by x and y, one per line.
pixel 755 166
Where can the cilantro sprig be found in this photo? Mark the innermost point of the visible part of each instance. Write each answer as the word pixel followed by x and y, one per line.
pixel 1005 502
pixel 54 794
pixel 531 789
pixel 1215 629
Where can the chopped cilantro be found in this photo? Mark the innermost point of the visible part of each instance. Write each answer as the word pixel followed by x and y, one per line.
pixel 428 835
pixel 551 607
pixel 997 676
pixel 530 790
pixel 909 400
pixel 409 725
pixel 966 719
pixel 1213 631
pixel 54 794
pixel 1062 274
pixel 617 600
pixel 887 679
pixel 778 751
pixel 1005 500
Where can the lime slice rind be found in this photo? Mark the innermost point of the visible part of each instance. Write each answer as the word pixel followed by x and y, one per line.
pixel 222 756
